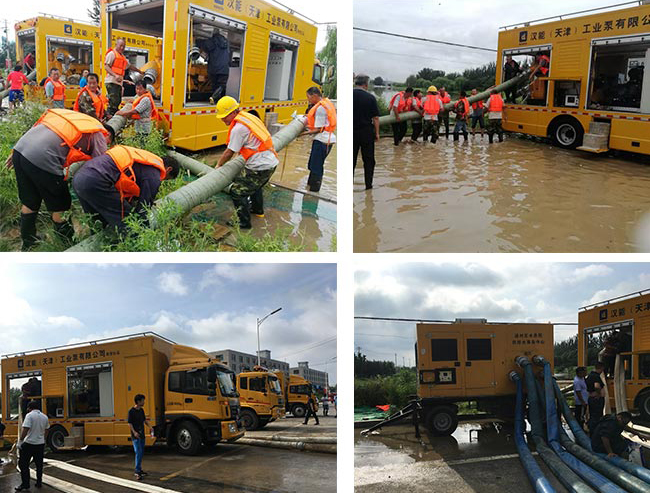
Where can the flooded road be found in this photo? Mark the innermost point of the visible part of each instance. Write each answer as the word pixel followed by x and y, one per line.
pixel 516 196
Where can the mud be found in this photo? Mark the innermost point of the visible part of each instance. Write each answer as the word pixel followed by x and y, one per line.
pixel 517 196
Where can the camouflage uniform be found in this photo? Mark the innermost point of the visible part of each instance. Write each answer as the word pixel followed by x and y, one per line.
pixel 431 128
pixel 494 126
pixel 114 98
pixel 86 105
pixel 246 194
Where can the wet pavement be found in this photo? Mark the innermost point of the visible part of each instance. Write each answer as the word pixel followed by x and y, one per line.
pixel 517 196
pixel 394 460
pixel 293 427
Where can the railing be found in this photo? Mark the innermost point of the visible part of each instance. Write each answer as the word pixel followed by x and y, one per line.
pixel 607 302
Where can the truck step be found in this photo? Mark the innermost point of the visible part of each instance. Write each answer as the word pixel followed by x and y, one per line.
pixel 600 128
pixel 595 143
pixel 593 150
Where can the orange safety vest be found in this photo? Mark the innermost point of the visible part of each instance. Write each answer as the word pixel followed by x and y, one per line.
pixel 432 105
pixel 258 129
pixel 59 89
pixel 331 115
pixel 99 102
pixel 71 126
pixel 120 64
pixel 477 105
pixel 124 157
pixel 496 103
pixel 446 98
pixel 136 101
pixel 418 103
pixel 465 103
pixel 404 103
pixel 544 70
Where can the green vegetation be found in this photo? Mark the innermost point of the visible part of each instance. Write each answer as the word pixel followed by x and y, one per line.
pixel 395 390
pixel 566 353
pixel 475 78
pixel 327 56
pixel 278 241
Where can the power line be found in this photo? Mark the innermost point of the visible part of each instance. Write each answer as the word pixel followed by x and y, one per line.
pixel 381 335
pixel 420 57
pixel 295 12
pixel 424 39
pixel 320 343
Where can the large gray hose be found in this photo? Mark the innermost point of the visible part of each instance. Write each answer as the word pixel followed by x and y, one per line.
pixel 311 447
pixel 5 93
pixel 411 115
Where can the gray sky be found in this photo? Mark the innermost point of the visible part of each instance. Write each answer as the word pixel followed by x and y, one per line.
pixel 498 291
pixel 208 306
pixel 76 9
pixel 469 22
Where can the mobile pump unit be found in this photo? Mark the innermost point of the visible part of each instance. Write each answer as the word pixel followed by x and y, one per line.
pixel 260 395
pixel 87 391
pixel 296 391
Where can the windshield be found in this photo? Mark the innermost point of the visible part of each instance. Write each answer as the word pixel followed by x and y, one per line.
pixel 274 385
pixel 225 384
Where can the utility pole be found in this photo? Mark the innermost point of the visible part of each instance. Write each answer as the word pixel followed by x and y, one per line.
pixel 395 360
pixel 403 364
pixel 8 61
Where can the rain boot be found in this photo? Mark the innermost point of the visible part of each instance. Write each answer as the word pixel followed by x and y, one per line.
pixel 65 230
pixel 465 136
pixel 242 207
pixel 491 138
pixel 257 203
pixel 28 230
pixel 500 137
pixel 456 137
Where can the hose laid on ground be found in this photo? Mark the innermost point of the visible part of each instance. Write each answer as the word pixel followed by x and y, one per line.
pixel 5 93
pixel 282 438
pixel 535 474
pixel 310 447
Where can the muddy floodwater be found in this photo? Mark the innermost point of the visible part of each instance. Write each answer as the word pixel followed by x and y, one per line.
pixel 517 196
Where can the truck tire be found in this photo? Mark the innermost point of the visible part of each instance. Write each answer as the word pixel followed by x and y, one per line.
pixel 644 405
pixel 263 423
pixel 441 421
pixel 55 437
pixel 188 438
pixel 299 410
pixel 567 133
pixel 249 419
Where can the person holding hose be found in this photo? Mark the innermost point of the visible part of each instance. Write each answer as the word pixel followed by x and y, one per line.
pixel 400 103
pixel 321 123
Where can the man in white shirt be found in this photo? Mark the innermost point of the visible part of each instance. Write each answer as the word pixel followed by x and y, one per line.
pixel 580 394
pixel 321 123
pixel 32 445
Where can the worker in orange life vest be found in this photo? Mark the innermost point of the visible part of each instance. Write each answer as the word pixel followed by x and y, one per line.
pixel 443 118
pixel 321 123
pixel 462 109
pixel 477 114
pixel 400 103
pixel 416 105
pixel 494 108
pixel 123 181
pixel 541 66
pixel 431 108
pixel 90 100
pixel 143 110
pixel 247 136
pixel 55 89
pixel 116 65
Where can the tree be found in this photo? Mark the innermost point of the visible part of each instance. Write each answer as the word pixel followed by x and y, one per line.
pixel 429 74
pixel 3 53
pixel 378 81
pixel 328 56
pixel 411 80
pixel 363 368
pixel 95 12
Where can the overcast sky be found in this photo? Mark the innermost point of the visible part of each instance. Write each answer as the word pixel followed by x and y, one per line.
pixel 77 9
pixel 469 22
pixel 498 291
pixel 207 306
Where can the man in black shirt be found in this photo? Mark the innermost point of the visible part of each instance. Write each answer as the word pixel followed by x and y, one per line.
pixel 510 69
pixel 606 437
pixel 310 409
pixel 365 127
pixel 137 420
pixel 596 401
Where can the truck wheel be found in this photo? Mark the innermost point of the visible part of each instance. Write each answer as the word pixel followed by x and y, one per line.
pixel 567 133
pixel 644 406
pixel 299 410
pixel 188 438
pixel 55 437
pixel 263 423
pixel 249 419
pixel 442 421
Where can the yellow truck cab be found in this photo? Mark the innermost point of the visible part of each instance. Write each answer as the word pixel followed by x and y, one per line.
pixel 260 395
pixel 86 391
pixel 296 393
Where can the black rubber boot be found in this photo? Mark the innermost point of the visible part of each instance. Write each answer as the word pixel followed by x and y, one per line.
pixel 315 185
pixel 257 203
pixel 491 138
pixel 65 230
pixel 456 137
pixel 500 137
pixel 465 135
pixel 28 230
pixel 242 207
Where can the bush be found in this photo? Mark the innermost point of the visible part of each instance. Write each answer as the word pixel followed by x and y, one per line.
pixel 394 389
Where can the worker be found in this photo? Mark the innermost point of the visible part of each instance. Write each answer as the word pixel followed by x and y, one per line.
pixel 137 419
pixel 321 123
pixel 607 439
pixel 84 78
pixel 40 160
pixel 596 400
pixel 444 114
pixel 55 89
pixel 608 354
pixel 494 109
pixel 416 124
pixel 511 69
pixel 541 66
pixel 143 110
pixel 325 401
pixel 16 79
pixel 581 396
pixel 431 107
pixel 400 103
pixel 217 49
pixel 477 114
pixel 247 136
pixel 90 100
pixel 30 62
pixel 116 65
pixel 125 180
pixel 311 409
pixel 365 127
pixel 31 444
pixel 461 108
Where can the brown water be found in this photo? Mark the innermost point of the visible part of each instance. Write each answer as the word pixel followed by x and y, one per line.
pixel 515 196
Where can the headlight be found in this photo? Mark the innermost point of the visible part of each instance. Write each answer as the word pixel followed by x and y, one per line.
pixel 232 427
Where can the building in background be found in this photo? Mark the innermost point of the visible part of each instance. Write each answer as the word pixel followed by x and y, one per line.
pixel 238 361
pixel 316 377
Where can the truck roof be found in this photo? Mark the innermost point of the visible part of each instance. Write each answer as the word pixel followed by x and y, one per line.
pixel 617 298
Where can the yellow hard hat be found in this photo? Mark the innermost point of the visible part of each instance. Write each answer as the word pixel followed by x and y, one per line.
pixel 225 106
pixel 432 89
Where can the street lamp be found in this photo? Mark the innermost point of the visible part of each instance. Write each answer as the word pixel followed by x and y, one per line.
pixel 327 376
pixel 259 322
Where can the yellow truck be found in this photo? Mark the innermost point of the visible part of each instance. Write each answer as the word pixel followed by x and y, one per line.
pixel 260 395
pixel 271 52
pixel 73 46
pixel 296 391
pixel 469 360
pixel 87 389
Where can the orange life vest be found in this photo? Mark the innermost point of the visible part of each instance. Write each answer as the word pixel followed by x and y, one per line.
pixel 258 129
pixel 71 126
pixel 432 105
pixel 446 98
pixel 154 111
pixel 124 157
pixel 418 103
pixel 465 104
pixel 331 115
pixel 120 64
pixel 477 105
pixel 496 103
pixel 403 105
pixel 99 102
pixel 544 70
pixel 59 89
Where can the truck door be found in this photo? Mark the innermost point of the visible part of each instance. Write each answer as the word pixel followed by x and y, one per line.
pixel 257 395
pixel 479 365
pixel 440 371
pixel 196 398
pixel 137 381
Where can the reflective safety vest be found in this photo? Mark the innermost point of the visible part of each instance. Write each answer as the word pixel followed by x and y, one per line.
pixel 258 129
pixel 432 105
pixel 124 157
pixel 544 70
pixel 403 105
pixel 154 111
pixel 99 102
pixel 120 64
pixel 59 89
pixel 466 104
pixel 418 103
pixel 71 126
pixel 331 115
pixel 496 103
pixel 477 105
pixel 446 98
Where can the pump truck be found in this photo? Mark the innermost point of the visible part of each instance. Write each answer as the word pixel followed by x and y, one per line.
pixel 86 391
pixel 261 399
pixel 296 391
